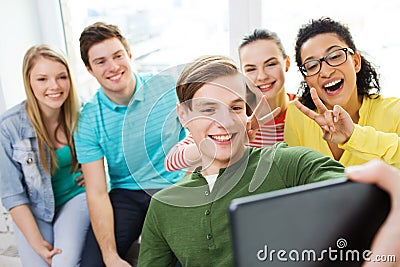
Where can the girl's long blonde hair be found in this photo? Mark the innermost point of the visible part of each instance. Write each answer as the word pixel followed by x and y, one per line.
pixel 69 110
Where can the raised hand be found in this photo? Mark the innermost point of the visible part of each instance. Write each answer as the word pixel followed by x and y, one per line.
pixel 336 124
pixel 254 122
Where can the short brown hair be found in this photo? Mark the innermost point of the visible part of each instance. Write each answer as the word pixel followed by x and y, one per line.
pixel 96 33
pixel 202 70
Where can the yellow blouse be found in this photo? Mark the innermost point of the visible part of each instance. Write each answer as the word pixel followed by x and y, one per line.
pixel 375 136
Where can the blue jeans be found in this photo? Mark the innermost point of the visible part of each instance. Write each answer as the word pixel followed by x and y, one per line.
pixel 130 208
pixel 67 232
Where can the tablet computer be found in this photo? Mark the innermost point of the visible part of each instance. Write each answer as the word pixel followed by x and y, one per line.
pixel 328 223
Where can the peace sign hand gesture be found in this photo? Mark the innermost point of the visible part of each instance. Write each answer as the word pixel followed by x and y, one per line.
pixel 336 124
pixel 254 121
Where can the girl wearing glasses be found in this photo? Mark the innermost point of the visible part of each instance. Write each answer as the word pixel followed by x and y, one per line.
pixel 340 94
pixel 264 62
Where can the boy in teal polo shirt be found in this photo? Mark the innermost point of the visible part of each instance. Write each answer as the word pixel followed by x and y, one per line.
pixel 124 124
pixel 188 222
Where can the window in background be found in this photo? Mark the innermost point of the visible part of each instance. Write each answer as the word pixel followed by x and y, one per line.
pixel 162 33
pixel 370 24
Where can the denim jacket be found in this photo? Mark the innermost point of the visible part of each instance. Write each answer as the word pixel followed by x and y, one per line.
pixel 22 177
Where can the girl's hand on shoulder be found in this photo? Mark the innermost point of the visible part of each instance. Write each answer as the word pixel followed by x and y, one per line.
pixel 336 124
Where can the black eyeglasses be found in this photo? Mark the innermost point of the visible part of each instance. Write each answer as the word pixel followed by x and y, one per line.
pixel 333 59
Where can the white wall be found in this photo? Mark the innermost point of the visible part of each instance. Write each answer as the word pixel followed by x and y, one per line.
pixel 19 29
pixel 24 23
pixel 2 101
pixel 244 17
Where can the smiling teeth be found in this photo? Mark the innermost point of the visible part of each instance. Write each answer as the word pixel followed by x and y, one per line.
pixel 332 83
pixel 265 86
pixel 54 95
pixel 222 138
pixel 116 77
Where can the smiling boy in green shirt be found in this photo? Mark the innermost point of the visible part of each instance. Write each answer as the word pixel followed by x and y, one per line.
pixel 189 222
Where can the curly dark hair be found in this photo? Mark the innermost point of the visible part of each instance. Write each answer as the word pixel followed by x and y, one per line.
pixel 367 77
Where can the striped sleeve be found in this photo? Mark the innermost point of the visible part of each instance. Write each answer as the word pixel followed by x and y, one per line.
pixel 175 160
pixel 268 135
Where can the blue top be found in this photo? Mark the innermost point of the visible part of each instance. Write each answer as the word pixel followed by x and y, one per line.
pixel 134 139
pixel 22 177
pixel 64 185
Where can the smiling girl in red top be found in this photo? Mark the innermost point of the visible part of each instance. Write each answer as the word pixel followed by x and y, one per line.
pixel 264 62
